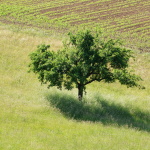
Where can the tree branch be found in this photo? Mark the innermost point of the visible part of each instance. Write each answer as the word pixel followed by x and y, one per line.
pixel 93 80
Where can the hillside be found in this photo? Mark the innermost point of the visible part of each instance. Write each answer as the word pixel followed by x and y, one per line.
pixel 32 117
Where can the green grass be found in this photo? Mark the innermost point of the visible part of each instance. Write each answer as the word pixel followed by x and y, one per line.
pixel 34 117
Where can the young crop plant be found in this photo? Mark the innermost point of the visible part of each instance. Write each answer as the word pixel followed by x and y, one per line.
pixel 85 58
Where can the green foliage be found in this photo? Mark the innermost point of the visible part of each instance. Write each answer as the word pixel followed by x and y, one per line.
pixel 85 58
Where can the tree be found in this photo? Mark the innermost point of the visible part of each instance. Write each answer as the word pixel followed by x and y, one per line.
pixel 85 58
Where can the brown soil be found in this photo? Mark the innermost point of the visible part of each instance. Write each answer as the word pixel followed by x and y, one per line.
pixel 105 11
pixel 108 11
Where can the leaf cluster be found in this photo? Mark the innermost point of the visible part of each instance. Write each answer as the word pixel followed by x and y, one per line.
pixel 85 58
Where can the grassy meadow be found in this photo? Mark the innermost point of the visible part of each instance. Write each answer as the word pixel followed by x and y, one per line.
pixel 34 117
pixel 111 116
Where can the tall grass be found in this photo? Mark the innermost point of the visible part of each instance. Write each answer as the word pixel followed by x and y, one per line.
pixel 34 117
pixel 99 109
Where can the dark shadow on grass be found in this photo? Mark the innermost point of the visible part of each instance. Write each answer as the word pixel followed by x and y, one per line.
pixel 101 111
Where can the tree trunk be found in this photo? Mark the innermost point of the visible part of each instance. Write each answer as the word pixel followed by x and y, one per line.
pixel 80 92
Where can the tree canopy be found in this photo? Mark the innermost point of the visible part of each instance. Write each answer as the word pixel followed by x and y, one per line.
pixel 85 58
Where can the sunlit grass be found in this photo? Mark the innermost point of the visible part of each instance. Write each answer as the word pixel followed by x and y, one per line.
pixel 29 119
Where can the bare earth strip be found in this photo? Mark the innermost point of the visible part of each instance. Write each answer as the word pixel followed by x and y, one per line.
pixel 118 15
pixel 109 10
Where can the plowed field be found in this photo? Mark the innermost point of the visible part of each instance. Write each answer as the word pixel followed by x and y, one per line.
pixel 130 19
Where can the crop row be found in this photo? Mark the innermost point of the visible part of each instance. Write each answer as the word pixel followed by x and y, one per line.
pixel 78 17
pixel 114 15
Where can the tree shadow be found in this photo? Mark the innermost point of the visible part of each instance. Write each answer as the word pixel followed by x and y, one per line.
pixel 101 111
